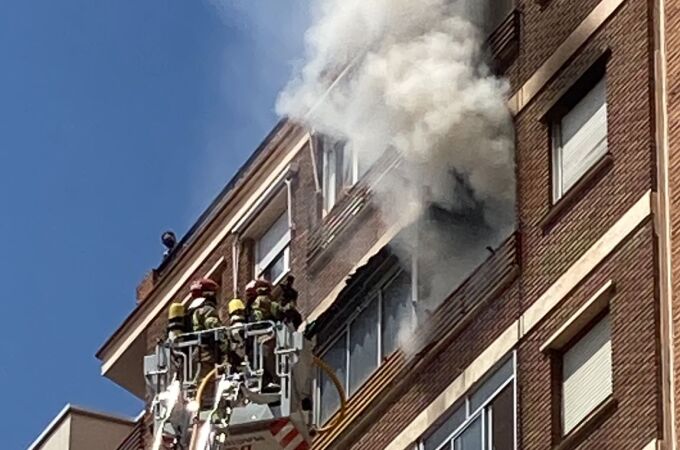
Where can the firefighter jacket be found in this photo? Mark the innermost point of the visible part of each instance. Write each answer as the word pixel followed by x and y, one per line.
pixel 204 315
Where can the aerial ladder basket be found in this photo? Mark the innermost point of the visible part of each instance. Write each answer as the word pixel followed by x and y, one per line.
pixel 263 401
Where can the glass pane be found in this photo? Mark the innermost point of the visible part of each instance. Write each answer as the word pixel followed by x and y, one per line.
pixel 397 313
pixel 336 358
pixel 329 175
pixel 491 385
pixel 277 268
pixel 348 178
pixel 445 430
pixel 502 418
pixel 498 11
pixel 274 235
pixel 471 439
pixel 363 350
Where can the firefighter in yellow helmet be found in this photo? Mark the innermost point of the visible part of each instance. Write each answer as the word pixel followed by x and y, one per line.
pixel 204 316
pixel 177 321
pixel 236 349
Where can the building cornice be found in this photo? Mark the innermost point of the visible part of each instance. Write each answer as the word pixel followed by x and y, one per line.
pixel 279 151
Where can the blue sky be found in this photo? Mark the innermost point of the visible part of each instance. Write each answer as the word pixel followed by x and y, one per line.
pixel 118 119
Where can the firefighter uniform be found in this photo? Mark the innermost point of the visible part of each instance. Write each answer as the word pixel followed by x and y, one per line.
pixel 204 317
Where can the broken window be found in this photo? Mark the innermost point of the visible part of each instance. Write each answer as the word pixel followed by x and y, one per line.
pixel 398 313
pixel 368 337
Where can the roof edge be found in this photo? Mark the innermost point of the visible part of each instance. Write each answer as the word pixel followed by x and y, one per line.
pixel 71 409
pixel 228 193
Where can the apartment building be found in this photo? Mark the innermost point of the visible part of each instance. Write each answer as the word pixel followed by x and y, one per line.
pixel 77 428
pixel 562 338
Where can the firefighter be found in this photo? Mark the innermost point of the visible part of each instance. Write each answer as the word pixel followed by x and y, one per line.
pixel 177 321
pixel 204 316
pixel 286 296
pixel 236 350
pixel 203 308
pixel 263 307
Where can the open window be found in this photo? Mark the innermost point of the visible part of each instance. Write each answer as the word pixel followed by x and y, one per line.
pixel 341 169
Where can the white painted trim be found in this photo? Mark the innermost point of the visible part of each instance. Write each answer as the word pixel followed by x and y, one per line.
pixel 654 444
pixel 539 310
pixel 207 251
pixel 73 410
pixel 597 17
pixel 472 374
pixel 663 228
pixel 586 263
pixel 51 427
pixel 591 308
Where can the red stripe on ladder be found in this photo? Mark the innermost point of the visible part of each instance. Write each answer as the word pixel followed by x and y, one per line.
pixel 303 446
pixel 278 426
pixel 287 439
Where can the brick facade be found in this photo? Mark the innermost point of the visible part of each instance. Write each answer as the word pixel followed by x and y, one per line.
pixel 550 239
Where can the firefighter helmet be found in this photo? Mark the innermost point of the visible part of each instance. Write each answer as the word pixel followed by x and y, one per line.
pixel 203 287
pixel 236 305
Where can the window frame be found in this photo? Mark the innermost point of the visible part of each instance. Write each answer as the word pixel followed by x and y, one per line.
pixel 280 250
pixel 559 432
pixel 380 281
pixel 339 149
pixel 572 98
pixel 482 411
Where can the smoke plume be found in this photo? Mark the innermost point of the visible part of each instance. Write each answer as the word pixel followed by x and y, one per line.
pixel 414 80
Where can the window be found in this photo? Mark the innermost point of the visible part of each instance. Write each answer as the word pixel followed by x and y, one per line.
pixel 579 139
pixel 488 15
pixel 370 336
pixel 398 313
pixel 586 374
pixel 272 251
pixel 484 419
pixel 341 169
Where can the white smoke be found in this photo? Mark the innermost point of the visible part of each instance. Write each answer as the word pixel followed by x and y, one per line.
pixel 415 81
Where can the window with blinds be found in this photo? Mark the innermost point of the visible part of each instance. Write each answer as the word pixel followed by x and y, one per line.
pixel 579 139
pixel 586 374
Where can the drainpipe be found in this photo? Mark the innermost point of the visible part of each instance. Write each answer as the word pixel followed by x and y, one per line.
pixel 315 162
pixel 235 257
pixel 662 224
pixel 289 197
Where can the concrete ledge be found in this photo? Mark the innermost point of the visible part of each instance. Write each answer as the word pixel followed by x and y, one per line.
pixel 564 52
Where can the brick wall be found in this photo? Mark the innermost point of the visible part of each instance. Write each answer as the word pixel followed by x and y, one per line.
pixel 442 370
pixel 546 251
pixel 635 356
